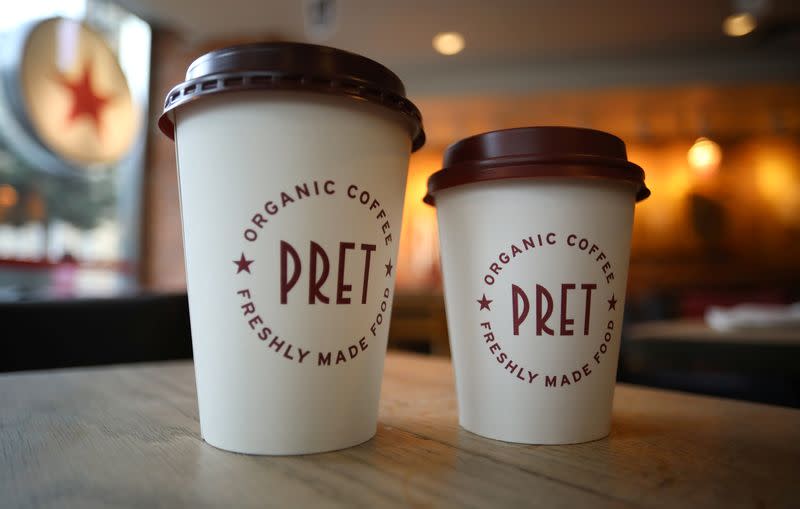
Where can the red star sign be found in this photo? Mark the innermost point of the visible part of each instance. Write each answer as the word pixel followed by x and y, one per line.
pixel 85 101
pixel 389 268
pixel 484 302
pixel 243 264
pixel 612 302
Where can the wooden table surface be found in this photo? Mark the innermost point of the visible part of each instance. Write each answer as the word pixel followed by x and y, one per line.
pixel 129 437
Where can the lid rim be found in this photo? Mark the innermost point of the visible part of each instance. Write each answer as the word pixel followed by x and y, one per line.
pixel 446 178
pixel 536 151
pixel 353 76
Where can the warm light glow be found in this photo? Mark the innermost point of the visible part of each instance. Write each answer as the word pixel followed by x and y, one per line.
pixel 737 25
pixel 777 179
pixel 8 196
pixel 419 242
pixel 704 156
pixel 448 43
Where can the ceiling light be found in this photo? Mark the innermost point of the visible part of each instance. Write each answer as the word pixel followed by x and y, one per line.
pixel 704 156
pixel 448 43
pixel 739 24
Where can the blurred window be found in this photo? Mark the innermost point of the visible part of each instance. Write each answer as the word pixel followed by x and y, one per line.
pixel 73 123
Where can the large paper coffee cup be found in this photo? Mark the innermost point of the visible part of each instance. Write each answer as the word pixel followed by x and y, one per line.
pixel 292 162
pixel 535 229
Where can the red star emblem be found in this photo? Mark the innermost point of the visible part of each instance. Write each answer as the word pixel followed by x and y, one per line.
pixel 243 264
pixel 85 101
pixel 484 302
pixel 612 302
pixel 389 268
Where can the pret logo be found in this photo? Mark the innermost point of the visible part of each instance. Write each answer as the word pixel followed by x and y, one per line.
pixel 544 289
pixel 319 252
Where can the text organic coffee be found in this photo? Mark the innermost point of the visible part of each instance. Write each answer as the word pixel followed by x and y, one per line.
pixel 535 229
pixel 292 161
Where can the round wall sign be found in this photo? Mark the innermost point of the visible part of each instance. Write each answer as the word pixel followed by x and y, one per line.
pixel 69 95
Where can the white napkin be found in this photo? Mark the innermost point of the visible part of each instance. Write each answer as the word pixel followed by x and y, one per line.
pixel 753 316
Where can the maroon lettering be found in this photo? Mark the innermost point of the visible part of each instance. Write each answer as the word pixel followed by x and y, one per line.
pixel 302 191
pixel 258 220
pixel 256 320
pixel 276 343
pixel 511 366
pixel 588 288
pixel 324 359
pixel 285 198
pixel 341 287
pixel 518 316
pixel 288 282
pixel 315 283
pixel 564 320
pixel 528 243
pixel 353 351
pixel 368 249
pixel 542 317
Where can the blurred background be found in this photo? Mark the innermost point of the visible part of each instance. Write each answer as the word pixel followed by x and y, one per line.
pixel 705 94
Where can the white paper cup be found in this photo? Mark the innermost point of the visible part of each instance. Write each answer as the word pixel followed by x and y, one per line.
pixel 535 228
pixel 291 203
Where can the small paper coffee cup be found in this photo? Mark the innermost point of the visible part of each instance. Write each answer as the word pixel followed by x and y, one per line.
pixel 535 232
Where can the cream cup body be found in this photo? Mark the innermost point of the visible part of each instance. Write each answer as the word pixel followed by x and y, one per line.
pixel 478 225
pixel 237 153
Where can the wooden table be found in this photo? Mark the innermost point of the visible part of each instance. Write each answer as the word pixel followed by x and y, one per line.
pixel 128 437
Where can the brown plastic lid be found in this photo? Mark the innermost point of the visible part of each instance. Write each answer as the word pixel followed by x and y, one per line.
pixel 292 66
pixel 530 152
